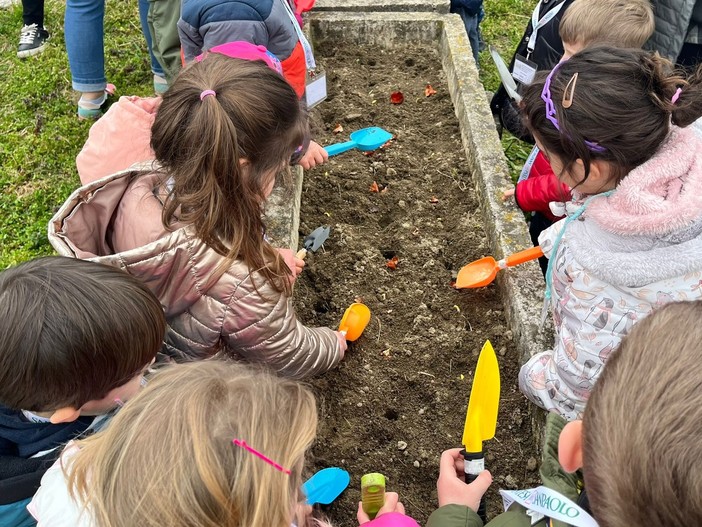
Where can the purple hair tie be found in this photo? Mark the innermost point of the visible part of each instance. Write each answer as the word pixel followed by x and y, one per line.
pixel 551 109
pixel 676 96
pixel 205 93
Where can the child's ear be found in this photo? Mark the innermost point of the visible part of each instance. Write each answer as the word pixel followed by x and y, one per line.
pixel 64 415
pixel 570 446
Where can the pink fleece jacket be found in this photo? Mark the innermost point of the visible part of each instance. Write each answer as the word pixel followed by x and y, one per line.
pixel 119 139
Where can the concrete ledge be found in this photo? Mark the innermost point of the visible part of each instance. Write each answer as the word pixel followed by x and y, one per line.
pixel 283 211
pixel 367 6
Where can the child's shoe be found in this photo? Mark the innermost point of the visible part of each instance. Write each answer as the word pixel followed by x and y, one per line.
pixel 160 85
pixel 32 40
pixel 92 108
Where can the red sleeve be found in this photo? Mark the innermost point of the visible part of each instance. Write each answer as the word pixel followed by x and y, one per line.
pixel 540 188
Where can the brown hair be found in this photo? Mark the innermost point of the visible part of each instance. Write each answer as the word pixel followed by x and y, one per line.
pixel 71 331
pixel 167 458
pixel 642 454
pixel 622 101
pixel 254 118
pixel 619 23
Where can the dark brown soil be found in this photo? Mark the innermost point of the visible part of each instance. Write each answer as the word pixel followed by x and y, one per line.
pixel 407 379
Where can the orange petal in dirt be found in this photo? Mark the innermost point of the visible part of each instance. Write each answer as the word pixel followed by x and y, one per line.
pixel 338 129
pixel 397 97
pixel 392 263
pixel 429 91
pixel 434 199
pixel 374 187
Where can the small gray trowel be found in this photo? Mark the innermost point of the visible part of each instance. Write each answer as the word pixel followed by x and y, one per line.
pixel 313 241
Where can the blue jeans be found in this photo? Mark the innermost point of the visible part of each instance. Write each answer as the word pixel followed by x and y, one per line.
pixel 471 22
pixel 84 33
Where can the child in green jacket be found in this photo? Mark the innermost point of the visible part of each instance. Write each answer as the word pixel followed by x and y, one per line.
pixel 638 443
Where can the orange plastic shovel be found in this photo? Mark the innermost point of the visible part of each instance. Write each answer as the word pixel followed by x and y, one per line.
pixel 482 272
pixel 354 321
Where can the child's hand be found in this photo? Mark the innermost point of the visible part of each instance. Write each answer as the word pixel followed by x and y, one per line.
pixel 392 504
pixel 450 485
pixel 342 343
pixel 315 155
pixel 507 194
pixel 295 264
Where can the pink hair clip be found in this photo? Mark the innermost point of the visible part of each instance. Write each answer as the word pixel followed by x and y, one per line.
pixel 205 93
pixel 241 443
pixel 676 96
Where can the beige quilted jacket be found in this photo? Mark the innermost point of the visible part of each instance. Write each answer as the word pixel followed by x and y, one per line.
pixel 117 221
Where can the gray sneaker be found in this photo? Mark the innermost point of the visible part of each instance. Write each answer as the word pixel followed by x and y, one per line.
pixel 32 40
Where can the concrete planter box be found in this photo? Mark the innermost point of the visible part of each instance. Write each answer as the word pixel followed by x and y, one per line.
pixel 521 287
pixel 364 23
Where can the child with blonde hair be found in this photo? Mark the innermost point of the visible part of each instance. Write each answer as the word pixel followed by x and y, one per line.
pixel 613 124
pixel 190 226
pixel 212 444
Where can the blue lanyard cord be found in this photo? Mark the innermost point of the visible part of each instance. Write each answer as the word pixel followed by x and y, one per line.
pixel 557 241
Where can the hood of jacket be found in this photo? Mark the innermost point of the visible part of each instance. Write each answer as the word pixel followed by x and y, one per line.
pixel 650 228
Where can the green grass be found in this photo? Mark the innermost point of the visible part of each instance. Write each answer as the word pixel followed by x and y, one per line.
pixel 40 134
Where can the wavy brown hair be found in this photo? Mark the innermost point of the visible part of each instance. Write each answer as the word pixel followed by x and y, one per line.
pixel 622 101
pixel 221 152
pixel 167 458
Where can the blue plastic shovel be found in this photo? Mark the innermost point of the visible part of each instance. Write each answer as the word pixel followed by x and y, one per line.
pixel 366 139
pixel 326 485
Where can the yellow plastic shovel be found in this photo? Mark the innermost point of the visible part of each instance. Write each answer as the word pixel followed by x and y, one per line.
pixel 481 418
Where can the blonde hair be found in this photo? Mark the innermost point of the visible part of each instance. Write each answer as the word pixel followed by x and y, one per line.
pixel 642 454
pixel 619 23
pixel 167 458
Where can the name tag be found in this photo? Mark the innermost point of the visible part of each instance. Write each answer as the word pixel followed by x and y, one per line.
pixel 316 88
pixel 524 70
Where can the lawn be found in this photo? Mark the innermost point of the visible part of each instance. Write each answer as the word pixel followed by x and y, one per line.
pixel 40 134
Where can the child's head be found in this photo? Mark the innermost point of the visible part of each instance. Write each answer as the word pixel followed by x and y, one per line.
pixel 639 440
pixel 223 132
pixel 74 336
pixel 167 458
pixel 618 23
pixel 606 111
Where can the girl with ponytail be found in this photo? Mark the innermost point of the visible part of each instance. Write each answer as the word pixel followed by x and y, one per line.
pixel 190 225
pixel 614 125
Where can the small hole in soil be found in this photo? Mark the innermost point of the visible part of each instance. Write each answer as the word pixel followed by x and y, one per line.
pixel 409 62
pixel 321 307
pixel 388 253
pixel 371 62
pixel 391 414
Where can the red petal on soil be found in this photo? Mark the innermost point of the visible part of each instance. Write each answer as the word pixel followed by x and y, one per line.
pixel 338 129
pixel 392 263
pixel 374 187
pixel 434 199
pixel 397 97
pixel 429 91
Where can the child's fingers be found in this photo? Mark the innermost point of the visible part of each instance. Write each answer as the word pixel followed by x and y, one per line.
pixel 361 516
pixel 507 194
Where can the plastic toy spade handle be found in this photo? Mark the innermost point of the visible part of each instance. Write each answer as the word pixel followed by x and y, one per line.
pixel 340 148
pixel 301 254
pixel 474 465
pixel 524 256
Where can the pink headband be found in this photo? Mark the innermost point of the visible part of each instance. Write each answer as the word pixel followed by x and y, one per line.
pixel 205 93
